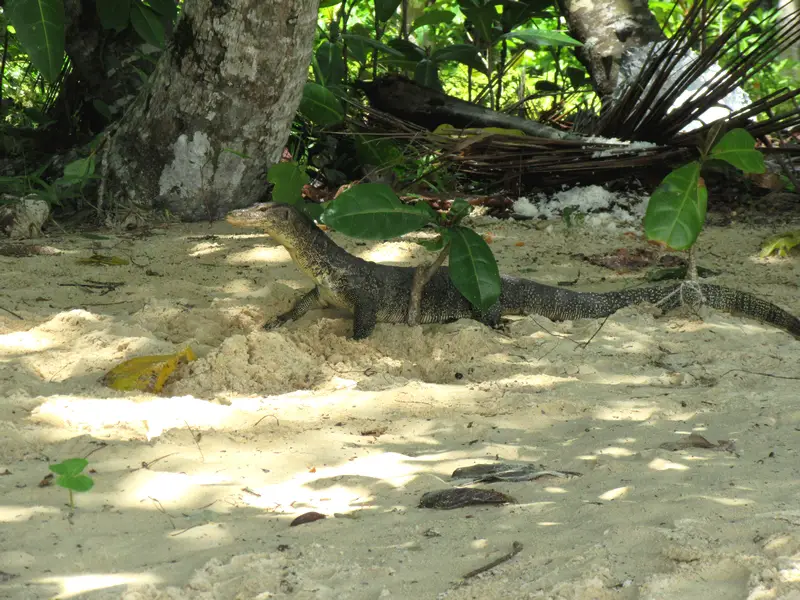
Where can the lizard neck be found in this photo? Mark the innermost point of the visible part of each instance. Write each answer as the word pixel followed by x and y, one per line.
pixel 312 251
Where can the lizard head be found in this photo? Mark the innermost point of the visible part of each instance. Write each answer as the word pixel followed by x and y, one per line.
pixel 281 221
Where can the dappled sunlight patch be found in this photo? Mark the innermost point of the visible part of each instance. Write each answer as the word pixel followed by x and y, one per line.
pixel 292 498
pixel 71 586
pixel 616 452
pixel 660 464
pixel 320 489
pixel 150 416
pixel 626 410
pixel 10 513
pixel 205 249
pixel 175 488
pixel 23 342
pixel 731 502
pixel 616 493
pixel 390 253
pixel 272 255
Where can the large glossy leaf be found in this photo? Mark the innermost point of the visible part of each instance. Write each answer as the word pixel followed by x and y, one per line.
pixel 427 73
pixel 114 14
pixel 385 9
pixel 737 147
pixel 372 211
pixel 376 150
pixel 288 179
pixel 466 54
pixel 165 8
pixel 320 105
pixel 483 18
pixel 147 24
pixel 331 65
pixel 410 50
pixel 368 41
pixel 39 25
pixel 542 37
pixel 435 16
pixel 356 47
pixel 515 14
pixel 677 209
pixel 473 268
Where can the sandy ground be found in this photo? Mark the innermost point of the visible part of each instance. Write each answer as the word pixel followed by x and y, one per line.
pixel 195 488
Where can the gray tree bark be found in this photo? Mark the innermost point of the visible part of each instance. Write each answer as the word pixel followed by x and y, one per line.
pixel 216 112
pixel 607 28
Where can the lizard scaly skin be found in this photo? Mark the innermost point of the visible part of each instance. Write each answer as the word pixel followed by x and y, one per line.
pixel 380 293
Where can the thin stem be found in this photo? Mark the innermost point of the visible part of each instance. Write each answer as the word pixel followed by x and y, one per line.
pixel 422 275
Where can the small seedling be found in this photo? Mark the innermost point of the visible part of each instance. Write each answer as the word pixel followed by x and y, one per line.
pixel 71 478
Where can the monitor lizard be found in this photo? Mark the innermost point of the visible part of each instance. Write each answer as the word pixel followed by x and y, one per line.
pixel 374 293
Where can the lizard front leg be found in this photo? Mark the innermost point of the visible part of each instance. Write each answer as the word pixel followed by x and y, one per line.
pixel 301 307
pixel 365 317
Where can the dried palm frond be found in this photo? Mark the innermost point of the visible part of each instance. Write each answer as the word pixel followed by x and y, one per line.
pixel 524 160
pixel 646 107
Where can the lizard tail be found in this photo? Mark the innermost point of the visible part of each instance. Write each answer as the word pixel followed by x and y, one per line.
pixel 522 296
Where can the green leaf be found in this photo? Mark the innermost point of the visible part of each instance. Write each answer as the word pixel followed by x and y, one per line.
pixel 372 211
pixel 368 41
pixel 542 37
pixel 473 268
pixel 39 26
pixel 677 209
pixel 70 467
pixel 76 483
pixel 781 243
pixel 385 9
pixel 737 148
pixel 165 8
pixel 466 54
pixel 313 210
pixel 458 210
pixel 515 14
pixel 288 179
pixel 427 74
pixel 114 14
pixel 80 169
pixel 330 62
pixel 102 108
pixel 356 47
pixel 376 150
pixel 320 105
pixel 147 24
pixel 483 19
pixel 433 17
pixel 546 86
pixel 410 50
pixel 329 3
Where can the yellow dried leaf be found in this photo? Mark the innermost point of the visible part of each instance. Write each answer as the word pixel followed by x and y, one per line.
pixel 146 373
pixel 782 244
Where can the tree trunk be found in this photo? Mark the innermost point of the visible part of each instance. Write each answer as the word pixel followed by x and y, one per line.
pixel 216 112
pixel 607 28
